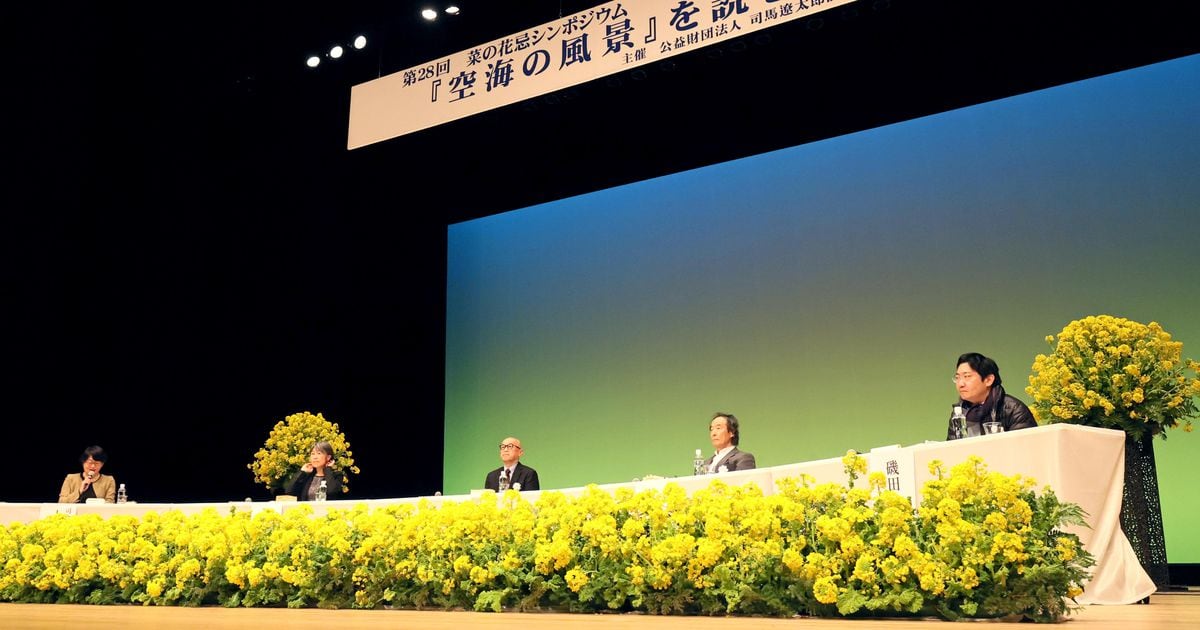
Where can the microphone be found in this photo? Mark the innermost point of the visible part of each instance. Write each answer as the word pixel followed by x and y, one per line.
pixel 91 475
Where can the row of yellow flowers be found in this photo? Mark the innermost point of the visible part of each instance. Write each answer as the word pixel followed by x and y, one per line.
pixel 981 545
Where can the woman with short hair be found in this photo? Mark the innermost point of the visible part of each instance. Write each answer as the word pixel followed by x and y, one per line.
pixel 307 481
pixel 90 483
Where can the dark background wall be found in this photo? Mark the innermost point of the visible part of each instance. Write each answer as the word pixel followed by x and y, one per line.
pixel 193 254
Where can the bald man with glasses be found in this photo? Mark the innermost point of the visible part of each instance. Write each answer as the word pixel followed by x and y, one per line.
pixel 512 473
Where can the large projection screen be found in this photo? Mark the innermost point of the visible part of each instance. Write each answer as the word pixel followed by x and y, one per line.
pixel 823 292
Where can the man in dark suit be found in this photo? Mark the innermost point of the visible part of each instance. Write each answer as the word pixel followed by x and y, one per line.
pixel 517 476
pixel 725 434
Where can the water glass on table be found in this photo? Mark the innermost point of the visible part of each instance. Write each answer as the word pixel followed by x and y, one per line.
pixel 992 427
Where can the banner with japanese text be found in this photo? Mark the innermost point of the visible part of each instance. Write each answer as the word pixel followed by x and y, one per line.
pixel 600 41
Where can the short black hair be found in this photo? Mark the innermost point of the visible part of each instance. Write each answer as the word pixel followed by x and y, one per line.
pixel 731 423
pixel 94 452
pixel 981 364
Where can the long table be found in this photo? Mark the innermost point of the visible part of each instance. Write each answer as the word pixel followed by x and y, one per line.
pixel 1083 465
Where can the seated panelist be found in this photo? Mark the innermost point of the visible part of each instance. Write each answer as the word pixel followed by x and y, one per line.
pixel 725 433
pixel 90 483
pixel 982 399
pixel 512 473
pixel 305 483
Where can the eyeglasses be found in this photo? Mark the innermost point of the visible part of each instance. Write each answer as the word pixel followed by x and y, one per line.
pixel 962 377
pixel 509 447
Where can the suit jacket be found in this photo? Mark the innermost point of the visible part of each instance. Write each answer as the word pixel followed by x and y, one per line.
pixel 734 460
pixel 298 486
pixel 522 474
pixel 104 486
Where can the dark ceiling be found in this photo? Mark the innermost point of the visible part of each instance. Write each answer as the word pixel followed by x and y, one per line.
pixel 218 93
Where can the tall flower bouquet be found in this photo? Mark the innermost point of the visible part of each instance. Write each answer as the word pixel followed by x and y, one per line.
pixel 289 444
pixel 1115 373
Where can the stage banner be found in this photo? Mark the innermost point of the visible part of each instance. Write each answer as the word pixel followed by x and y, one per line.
pixel 600 41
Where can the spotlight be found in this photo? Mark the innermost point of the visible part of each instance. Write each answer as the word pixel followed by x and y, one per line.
pixel 452 10
pixel 429 14
pixel 336 52
pixel 313 61
pixel 360 42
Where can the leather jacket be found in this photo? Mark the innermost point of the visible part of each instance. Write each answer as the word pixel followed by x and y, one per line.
pixel 1008 411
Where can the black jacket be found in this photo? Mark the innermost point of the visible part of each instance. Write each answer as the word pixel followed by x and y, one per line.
pixel 522 474
pixel 1010 412
pixel 298 486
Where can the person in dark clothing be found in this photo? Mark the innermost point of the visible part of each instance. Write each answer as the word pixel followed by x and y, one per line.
pixel 307 481
pixel 982 399
pixel 512 474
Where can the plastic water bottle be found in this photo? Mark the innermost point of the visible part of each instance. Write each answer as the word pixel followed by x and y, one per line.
pixel 958 423
pixel 322 491
pixel 121 495
pixel 698 467
pixel 504 481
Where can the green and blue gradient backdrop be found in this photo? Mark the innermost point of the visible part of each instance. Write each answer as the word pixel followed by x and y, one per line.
pixel 823 292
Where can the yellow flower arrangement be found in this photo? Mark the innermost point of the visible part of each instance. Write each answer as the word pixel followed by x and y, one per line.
pixel 1115 373
pixel 288 446
pixel 981 545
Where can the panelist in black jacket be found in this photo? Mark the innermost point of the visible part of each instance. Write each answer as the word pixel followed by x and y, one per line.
pixel 977 379
pixel 307 481
pixel 512 474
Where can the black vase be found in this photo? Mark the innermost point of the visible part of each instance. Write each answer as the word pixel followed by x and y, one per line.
pixel 1141 512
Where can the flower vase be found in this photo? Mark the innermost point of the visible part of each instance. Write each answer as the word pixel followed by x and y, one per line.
pixel 1141 512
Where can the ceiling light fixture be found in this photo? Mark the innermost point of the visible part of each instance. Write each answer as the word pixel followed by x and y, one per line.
pixel 336 51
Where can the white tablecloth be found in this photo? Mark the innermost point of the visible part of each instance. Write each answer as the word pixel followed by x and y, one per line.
pixel 1083 465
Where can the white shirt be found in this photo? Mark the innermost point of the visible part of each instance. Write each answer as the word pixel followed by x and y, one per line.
pixel 716 460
